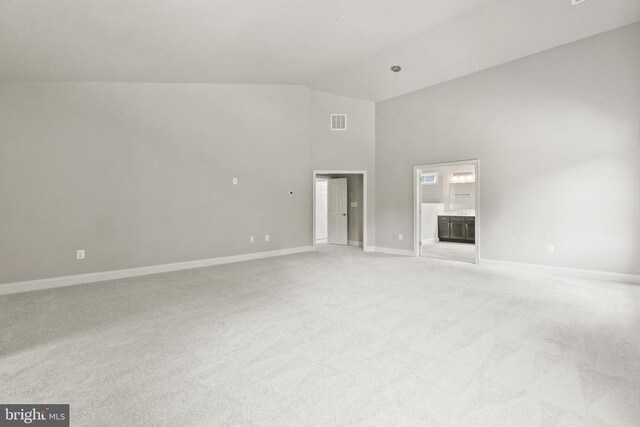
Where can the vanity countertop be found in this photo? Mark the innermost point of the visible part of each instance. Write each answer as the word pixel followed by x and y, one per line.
pixel 458 213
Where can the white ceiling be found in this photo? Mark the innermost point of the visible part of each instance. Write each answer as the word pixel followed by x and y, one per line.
pixel 499 32
pixel 217 41
pixel 338 46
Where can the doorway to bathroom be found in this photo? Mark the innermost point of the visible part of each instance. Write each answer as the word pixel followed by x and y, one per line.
pixel 340 208
pixel 446 211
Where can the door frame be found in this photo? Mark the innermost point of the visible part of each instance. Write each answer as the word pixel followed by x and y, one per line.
pixel 416 202
pixel 317 172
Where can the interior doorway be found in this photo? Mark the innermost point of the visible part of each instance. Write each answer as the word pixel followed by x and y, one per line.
pixel 339 208
pixel 322 210
pixel 447 211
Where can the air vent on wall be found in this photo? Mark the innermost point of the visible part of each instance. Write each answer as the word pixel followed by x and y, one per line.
pixel 338 122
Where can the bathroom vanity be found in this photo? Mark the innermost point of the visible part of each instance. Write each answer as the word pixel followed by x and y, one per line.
pixel 456 228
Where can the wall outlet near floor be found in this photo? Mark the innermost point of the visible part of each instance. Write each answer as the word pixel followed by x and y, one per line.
pixel 550 249
pixel 266 237
pixel 252 239
pixel 400 237
pixel 80 254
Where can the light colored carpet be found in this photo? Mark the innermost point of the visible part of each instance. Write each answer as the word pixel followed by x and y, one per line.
pixel 337 337
pixel 464 252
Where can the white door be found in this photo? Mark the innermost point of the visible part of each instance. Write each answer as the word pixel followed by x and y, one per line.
pixel 321 211
pixel 338 211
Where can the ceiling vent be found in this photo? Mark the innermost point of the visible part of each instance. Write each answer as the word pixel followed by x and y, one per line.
pixel 338 122
pixel 575 2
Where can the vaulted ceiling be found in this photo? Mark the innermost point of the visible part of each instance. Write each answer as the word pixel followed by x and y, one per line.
pixel 496 33
pixel 339 46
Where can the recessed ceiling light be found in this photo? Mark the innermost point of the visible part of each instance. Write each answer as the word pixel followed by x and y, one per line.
pixel 396 68
pixel 575 2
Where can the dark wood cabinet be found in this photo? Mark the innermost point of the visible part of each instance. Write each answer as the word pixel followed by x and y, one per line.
pixel 457 229
pixel 443 228
pixel 471 229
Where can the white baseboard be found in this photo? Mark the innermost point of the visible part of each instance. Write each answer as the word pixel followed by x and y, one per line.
pixel 563 271
pixel 428 241
pixel 354 243
pixel 392 251
pixel 79 279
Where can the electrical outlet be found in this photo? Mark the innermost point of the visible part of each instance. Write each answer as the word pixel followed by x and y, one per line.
pixel 266 237
pixel 550 249
pixel 80 254
pixel 400 237
pixel 235 181
pixel 252 239
pixel 354 204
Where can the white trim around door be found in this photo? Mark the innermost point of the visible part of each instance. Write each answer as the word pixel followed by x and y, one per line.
pixel 364 202
pixel 416 202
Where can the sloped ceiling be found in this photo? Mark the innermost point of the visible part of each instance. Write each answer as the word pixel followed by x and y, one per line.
pixel 338 46
pixel 204 41
pixel 499 32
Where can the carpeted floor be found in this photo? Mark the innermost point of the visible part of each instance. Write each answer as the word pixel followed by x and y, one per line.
pixel 337 337
pixel 464 252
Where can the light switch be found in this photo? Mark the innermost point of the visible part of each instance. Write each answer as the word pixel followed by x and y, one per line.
pixel 235 181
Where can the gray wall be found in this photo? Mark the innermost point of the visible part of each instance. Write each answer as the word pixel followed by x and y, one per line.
pixel 558 138
pixel 141 174
pixel 350 150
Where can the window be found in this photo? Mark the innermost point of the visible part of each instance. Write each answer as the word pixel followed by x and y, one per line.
pixel 429 178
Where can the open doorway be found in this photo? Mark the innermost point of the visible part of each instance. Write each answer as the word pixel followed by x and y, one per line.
pixel 446 211
pixel 339 208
